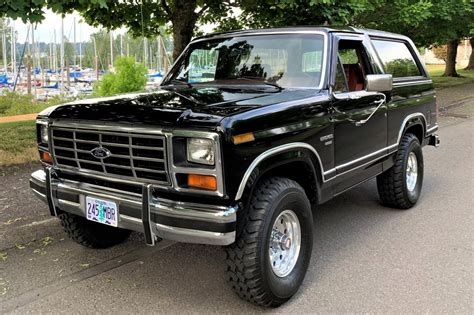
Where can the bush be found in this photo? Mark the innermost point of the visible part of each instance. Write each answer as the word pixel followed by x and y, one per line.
pixel 128 76
pixel 14 103
pixel 10 99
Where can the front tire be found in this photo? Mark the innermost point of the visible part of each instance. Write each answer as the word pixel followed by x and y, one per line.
pixel 267 263
pixel 400 186
pixel 91 234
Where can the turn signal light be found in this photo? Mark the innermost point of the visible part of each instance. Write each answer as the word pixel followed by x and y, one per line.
pixel 245 137
pixel 202 182
pixel 46 157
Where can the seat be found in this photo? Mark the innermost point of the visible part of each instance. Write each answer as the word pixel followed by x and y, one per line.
pixel 355 77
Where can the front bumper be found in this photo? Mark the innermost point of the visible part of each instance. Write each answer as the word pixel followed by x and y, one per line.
pixel 157 218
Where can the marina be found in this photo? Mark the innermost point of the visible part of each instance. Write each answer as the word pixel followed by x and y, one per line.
pixel 68 69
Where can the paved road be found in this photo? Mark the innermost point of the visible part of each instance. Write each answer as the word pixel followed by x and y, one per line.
pixel 366 258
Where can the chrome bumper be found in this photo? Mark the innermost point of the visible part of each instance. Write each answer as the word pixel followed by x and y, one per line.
pixel 155 217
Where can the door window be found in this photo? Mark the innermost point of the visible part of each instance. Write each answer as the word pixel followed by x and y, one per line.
pixel 354 63
pixel 340 85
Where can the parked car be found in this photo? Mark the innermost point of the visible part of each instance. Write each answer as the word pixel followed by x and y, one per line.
pixel 248 132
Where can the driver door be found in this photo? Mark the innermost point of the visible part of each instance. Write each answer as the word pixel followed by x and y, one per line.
pixel 356 144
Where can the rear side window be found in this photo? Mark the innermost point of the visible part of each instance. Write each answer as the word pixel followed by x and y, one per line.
pixel 397 58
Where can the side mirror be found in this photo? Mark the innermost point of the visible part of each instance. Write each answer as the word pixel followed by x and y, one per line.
pixel 379 82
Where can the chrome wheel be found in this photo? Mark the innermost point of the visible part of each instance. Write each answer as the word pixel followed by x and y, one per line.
pixel 285 243
pixel 412 171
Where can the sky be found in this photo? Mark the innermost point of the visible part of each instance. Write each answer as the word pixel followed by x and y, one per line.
pixel 45 31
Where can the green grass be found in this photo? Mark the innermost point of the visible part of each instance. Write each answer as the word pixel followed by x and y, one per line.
pixel 17 143
pixel 436 72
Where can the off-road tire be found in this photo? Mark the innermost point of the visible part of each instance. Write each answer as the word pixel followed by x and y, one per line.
pixel 249 272
pixel 91 234
pixel 392 184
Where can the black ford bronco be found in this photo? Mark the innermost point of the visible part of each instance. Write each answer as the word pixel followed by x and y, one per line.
pixel 248 131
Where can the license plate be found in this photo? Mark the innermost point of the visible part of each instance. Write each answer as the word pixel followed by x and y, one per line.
pixel 102 211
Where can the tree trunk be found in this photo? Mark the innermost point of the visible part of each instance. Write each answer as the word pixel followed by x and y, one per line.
pixel 184 20
pixel 470 65
pixel 450 70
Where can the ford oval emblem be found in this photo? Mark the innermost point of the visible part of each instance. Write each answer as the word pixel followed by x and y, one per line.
pixel 100 153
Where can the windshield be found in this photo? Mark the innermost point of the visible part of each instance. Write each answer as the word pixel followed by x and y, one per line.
pixel 281 60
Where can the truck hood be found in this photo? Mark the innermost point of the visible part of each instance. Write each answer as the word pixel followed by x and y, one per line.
pixel 182 107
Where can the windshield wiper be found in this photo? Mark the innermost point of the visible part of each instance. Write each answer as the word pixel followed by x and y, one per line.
pixel 261 82
pixel 176 81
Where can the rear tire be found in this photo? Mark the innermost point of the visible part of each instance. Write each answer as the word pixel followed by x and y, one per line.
pixel 400 186
pixel 265 265
pixel 91 234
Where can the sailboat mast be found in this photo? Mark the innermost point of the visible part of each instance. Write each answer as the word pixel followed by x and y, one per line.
pixel 96 60
pixel 4 50
pixel 158 55
pixel 50 55
pixel 61 66
pixel 74 35
pixel 80 48
pixel 55 61
pixel 33 53
pixel 145 57
pixel 13 49
pixel 111 49
pixel 121 44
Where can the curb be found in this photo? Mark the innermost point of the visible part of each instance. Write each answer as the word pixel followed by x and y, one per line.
pixel 457 103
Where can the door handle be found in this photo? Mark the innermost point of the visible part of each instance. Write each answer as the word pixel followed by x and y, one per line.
pixel 379 103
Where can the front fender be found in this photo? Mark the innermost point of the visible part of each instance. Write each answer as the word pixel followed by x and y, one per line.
pixel 291 162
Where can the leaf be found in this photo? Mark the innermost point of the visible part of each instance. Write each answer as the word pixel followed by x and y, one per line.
pixel 19 246
pixel 11 221
pixel 46 241
pixel 3 256
pixel 39 251
pixel 84 265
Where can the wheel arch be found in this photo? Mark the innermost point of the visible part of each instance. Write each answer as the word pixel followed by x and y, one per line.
pixel 415 124
pixel 297 161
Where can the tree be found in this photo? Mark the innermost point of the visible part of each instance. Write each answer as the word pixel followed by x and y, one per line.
pixel 427 22
pixel 128 76
pixel 470 65
pixel 142 18
pixel 275 13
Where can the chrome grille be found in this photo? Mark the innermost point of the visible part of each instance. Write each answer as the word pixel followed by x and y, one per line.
pixel 140 157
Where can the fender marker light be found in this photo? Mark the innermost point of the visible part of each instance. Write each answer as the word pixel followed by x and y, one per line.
pixel 202 182
pixel 242 138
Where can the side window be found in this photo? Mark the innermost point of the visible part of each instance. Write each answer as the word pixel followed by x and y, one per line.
pixel 353 64
pixel 397 59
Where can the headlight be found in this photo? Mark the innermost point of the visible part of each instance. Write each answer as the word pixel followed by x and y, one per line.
pixel 44 134
pixel 200 151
